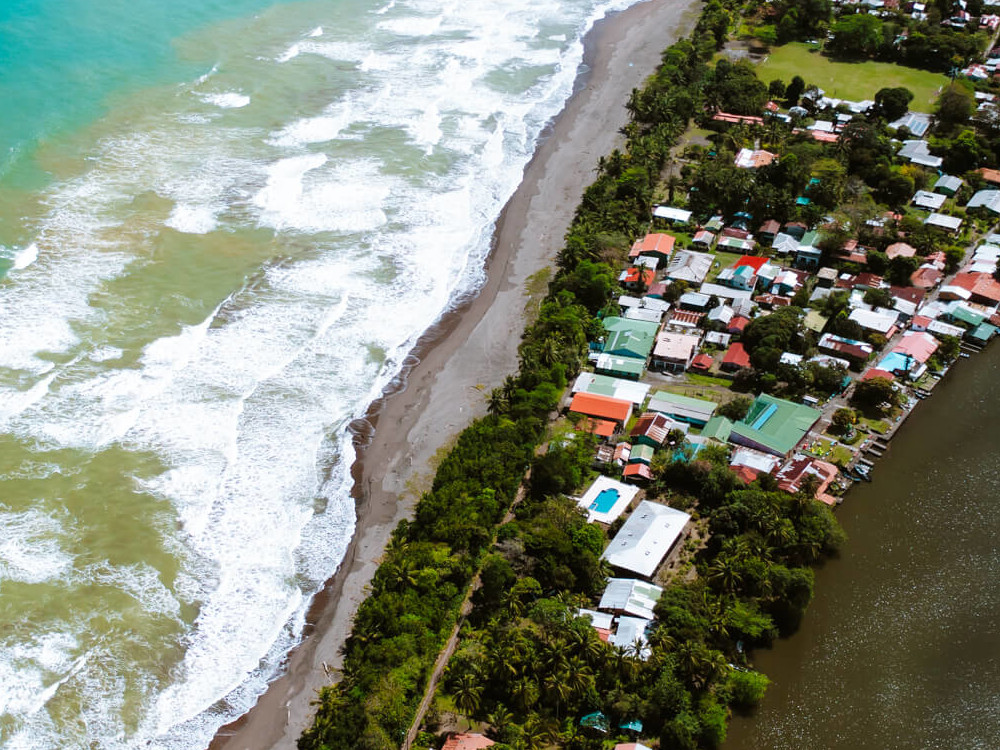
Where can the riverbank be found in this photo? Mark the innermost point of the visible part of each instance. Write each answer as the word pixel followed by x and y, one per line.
pixel 468 352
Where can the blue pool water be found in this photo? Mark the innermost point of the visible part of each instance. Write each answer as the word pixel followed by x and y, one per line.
pixel 605 501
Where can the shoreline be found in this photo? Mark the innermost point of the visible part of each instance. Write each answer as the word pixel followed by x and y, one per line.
pixel 466 353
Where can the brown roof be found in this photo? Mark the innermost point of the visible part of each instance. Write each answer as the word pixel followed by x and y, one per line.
pixel 652 425
pixel 771 226
pixel 990 175
pixel 900 250
pixel 912 294
pixel 926 277
pixel 981 285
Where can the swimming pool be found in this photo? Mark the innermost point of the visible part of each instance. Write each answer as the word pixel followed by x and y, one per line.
pixel 605 501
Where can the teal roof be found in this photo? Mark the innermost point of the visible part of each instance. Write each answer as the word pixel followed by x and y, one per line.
pixel 983 332
pixel 965 315
pixel 595 721
pixel 641 453
pixel 629 338
pixel 718 428
pixel 774 424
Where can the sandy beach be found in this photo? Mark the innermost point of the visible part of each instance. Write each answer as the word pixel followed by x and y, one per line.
pixel 466 354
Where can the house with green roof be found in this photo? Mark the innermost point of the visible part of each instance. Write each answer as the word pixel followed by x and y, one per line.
pixel 617 366
pixel 718 428
pixel 774 425
pixel 694 411
pixel 629 338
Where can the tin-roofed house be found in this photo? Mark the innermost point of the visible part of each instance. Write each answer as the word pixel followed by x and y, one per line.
pixel 646 537
pixel 774 425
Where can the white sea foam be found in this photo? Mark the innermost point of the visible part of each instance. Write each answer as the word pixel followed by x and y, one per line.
pixel 192 219
pixel 318 31
pixel 227 99
pixel 25 257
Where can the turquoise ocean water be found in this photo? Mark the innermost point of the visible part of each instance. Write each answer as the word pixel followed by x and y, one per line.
pixel 223 226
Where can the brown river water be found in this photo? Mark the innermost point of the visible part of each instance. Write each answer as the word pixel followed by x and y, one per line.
pixel 900 648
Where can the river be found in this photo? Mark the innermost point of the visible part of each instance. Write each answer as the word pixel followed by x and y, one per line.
pixel 900 647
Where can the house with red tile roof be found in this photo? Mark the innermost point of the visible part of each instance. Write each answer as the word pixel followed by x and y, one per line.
pixel 630 278
pixel 702 363
pixel 637 473
pixel 874 372
pixel 736 358
pixel 900 250
pixel 926 277
pixel 737 324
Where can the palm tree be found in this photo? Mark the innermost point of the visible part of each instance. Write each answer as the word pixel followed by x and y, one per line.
pixel 497 402
pixel 524 692
pixel 557 686
pixel 467 693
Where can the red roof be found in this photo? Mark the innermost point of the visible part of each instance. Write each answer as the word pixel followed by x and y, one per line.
pixel 868 279
pixel 912 294
pixel 874 372
pixel 981 285
pixel 637 471
pixel 900 250
pixel 687 316
pixel 656 243
pixel 467 742
pixel 701 362
pixel 771 226
pixel 745 473
pixel 737 324
pixel 774 300
pixel 648 275
pixel 726 117
pixel 990 175
pixel 756 262
pixel 921 321
pixel 602 407
pixel 926 277
pixel 736 356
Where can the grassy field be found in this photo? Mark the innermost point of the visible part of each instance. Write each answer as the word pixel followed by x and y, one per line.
pixel 846 80
pixel 723 259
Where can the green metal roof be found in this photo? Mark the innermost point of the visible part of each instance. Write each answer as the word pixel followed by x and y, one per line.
pixel 717 428
pixel 775 424
pixel 965 315
pixel 622 365
pixel 629 338
pixel 641 453
pixel 983 332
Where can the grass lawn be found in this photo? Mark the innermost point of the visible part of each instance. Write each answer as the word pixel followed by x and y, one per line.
pixel 723 259
pixel 697 379
pixel 847 80
pixel 879 426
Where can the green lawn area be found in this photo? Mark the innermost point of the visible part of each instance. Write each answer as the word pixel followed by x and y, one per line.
pixel 879 426
pixel 848 80
pixel 723 259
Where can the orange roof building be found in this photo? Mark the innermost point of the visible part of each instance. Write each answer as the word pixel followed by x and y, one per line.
pixel 736 358
pixel 984 288
pixel 601 407
pixel 658 245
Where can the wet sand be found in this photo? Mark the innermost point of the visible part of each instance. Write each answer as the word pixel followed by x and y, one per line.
pixel 468 353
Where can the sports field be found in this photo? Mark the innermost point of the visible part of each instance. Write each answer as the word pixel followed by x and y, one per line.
pixel 849 80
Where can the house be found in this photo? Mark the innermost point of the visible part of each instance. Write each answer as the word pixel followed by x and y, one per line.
pixel 926 277
pixel 721 314
pixel 774 425
pixel 673 215
pixel 629 338
pixel 694 411
pixel 673 352
pixel 737 324
pixel 929 201
pixel 988 199
pixel 601 408
pixel 851 252
pixel 637 472
pixel 878 321
pixel 736 244
pixel 466 741
pixel 717 428
pixel 654 245
pixel 652 428
pixel 646 537
pixel 603 385
pixel 703 238
pixel 942 221
pixel 784 244
pixel 807 255
pixel 900 250
pixel 786 283
pixel 918 152
pixel 690 266
pixel 983 288
pixel 727 293
pixel 629 596
pixel 948 185
pixel 695 301
pixel 855 352
pixel 616 366
pixel 767 231
pixel 759 462
pixel 736 358
pixel 637 278
pixel 738 277
pixel 791 477
pixel 701 363
pixel 796 229
pixel 749 158
pixel 990 176
pixel 826 277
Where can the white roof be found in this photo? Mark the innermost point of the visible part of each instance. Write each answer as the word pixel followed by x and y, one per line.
pixel 828 360
pixel 687 265
pixel 642 313
pixel 697 409
pixel 919 153
pixel 672 214
pixel 646 537
pixel 625 494
pixel 941 328
pixel 627 301
pixel 948 182
pixel 986 252
pixel 652 303
pixel 600 620
pixel 924 199
pixel 718 337
pixel 981 266
pixel 649 261
pixel 722 313
pixel 630 630
pixel 822 126
pixel 955 291
pixel 874 320
pixel 679 346
pixel 791 358
pixel 989 199
pixel 624 390
pixel 631 596
pixel 725 292
pixel 758 460
pixel 784 243
pixel 952 223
